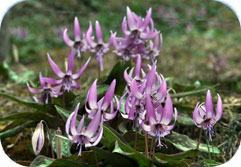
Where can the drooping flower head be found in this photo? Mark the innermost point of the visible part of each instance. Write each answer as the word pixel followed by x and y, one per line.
pixel 79 45
pixel 159 119
pixel 67 80
pixel 99 47
pixel 84 136
pixel 46 91
pixel 203 115
pixel 93 106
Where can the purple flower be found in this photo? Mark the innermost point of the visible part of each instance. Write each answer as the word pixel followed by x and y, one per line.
pixel 139 30
pixel 204 117
pixel 84 136
pixel 46 91
pixel 38 138
pixel 67 80
pixel 92 106
pixel 79 45
pixel 159 119
pixel 99 47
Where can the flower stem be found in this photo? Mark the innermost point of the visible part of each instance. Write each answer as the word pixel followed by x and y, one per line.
pixel 146 145
pixel 50 139
pixel 96 160
pixel 153 149
pixel 199 141
pixel 136 136
pixel 209 155
pixel 98 70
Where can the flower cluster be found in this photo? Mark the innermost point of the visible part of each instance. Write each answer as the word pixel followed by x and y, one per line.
pixel 140 38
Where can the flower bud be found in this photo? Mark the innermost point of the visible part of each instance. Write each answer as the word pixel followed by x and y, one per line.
pixel 38 138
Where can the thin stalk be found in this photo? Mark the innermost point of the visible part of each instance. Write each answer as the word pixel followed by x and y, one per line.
pixel 63 99
pixel 146 145
pixel 136 136
pixel 209 155
pixel 50 139
pixel 199 141
pixel 98 71
pixel 96 160
pixel 153 151
pixel 152 141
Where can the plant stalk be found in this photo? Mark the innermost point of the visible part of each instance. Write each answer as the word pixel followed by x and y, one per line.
pixel 96 160
pixel 136 136
pixel 153 149
pixel 199 141
pixel 146 145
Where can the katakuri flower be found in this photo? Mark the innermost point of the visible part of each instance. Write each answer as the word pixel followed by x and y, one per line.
pixel 84 136
pixel 92 106
pixel 99 47
pixel 79 45
pixel 159 119
pixel 203 115
pixel 47 92
pixel 38 138
pixel 67 80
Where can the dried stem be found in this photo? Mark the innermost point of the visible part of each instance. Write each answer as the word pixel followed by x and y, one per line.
pixel 50 138
pixel 146 145
pixel 199 141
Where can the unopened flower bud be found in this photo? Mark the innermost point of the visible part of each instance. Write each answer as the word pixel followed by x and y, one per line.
pixel 38 138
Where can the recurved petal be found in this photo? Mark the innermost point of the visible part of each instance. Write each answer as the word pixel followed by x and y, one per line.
pixel 151 79
pixel 130 19
pixel 34 90
pixel 66 38
pixel 168 111
pixel 209 105
pixel 73 122
pixel 108 96
pixel 159 112
pixel 55 67
pixel 95 140
pixel 111 115
pixel 77 30
pixel 89 39
pixel 99 33
pixel 134 89
pixel 52 81
pixel 92 96
pixel 79 73
pixel 196 116
pixel 147 19
pixel 150 110
pixel 146 128
pixel 170 127
pixel 219 110
pixel 93 125
pixel 81 124
pixel 162 91
pixel 41 80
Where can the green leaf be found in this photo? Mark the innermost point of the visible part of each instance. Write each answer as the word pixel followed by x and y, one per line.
pixel 67 163
pixel 38 106
pixel 114 159
pixel 177 156
pixel 41 161
pixel 66 145
pixel 110 137
pixel 185 119
pixel 15 130
pixel 62 112
pixel 184 143
pixel 117 73
pixel 192 93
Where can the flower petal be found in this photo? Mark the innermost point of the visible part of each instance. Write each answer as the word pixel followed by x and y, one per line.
pixel 34 90
pixel 147 19
pixel 41 80
pixel 81 124
pixel 99 135
pixel 89 39
pixel 138 66
pixel 71 62
pixel 151 117
pixel 168 111
pixel 134 89
pixel 73 122
pixel 196 116
pixel 111 115
pixel 67 40
pixel 99 34
pixel 146 128
pixel 108 96
pixel 151 79
pixel 130 19
pixel 170 127
pixel 77 30
pixel 93 125
pixel 209 105
pixel 55 67
pixel 219 110
pixel 92 96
